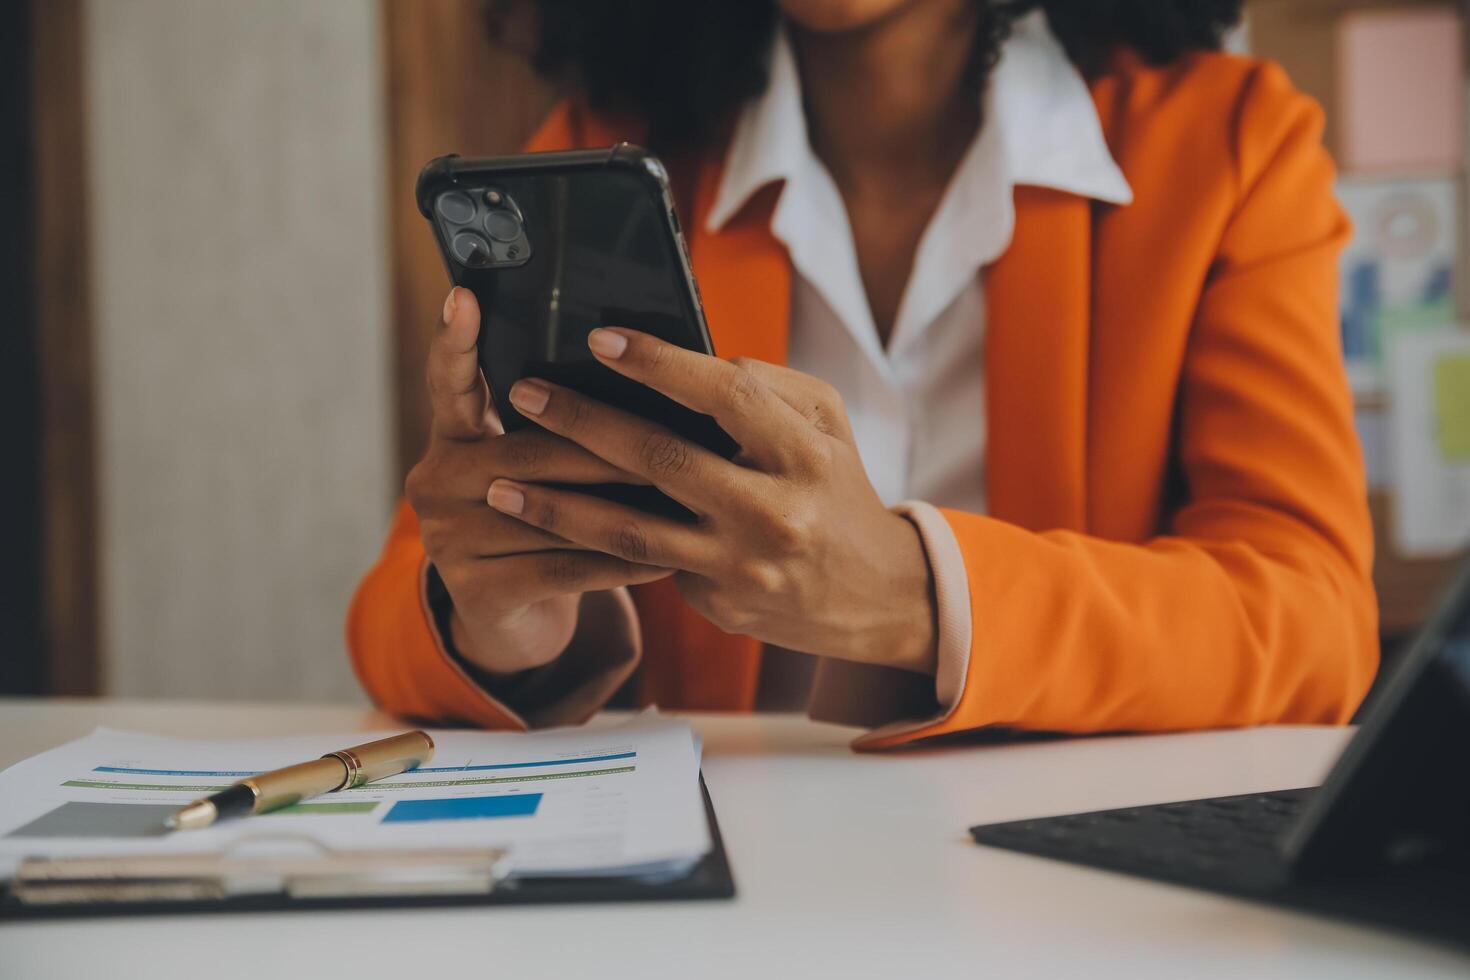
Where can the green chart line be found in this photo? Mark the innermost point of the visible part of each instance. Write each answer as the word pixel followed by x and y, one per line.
pixel 323 809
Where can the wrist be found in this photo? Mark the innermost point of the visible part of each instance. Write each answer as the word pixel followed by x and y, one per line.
pixel 907 637
pixel 464 646
pixel 454 637
pixel 504 651
pixel 527 640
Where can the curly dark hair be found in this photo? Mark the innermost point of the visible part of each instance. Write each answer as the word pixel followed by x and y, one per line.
pixel 684 65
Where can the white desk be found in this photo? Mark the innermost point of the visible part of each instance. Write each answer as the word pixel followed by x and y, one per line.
pixel 847 866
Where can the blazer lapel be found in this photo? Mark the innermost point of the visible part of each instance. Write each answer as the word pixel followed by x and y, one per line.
pixel 744 273
pixel 1036 364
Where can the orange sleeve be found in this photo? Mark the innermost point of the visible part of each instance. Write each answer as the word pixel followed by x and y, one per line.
pixel 1256 605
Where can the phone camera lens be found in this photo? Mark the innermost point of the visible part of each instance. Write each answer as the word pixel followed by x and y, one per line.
pixel 470 249
pixel 456 207
pixel 503 226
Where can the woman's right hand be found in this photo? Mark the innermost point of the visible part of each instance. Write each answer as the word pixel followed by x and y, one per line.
pixel 516 589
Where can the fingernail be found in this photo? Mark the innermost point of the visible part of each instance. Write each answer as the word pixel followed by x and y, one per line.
pixel 506 496
pixel 608 343
pixel 449 306
pixel 530 396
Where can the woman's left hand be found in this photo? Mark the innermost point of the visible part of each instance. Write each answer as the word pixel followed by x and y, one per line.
pixel 792 546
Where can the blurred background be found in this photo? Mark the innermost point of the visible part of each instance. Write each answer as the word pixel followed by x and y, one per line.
pixel 217 293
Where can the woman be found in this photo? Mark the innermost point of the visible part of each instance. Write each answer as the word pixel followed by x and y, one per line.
pixel 1061 438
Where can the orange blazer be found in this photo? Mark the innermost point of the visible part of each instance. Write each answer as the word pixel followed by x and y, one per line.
pixel 1178 534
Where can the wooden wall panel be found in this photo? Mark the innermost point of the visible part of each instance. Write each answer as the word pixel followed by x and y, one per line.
pixel 450 90
pixel 63 321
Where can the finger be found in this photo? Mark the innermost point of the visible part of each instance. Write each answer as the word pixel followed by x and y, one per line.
pixel 691 474
pixel 463 471
pixel 473 531
pixel 765 426
pixel 611 528
pixel 520 580
pixel 456 387
pixel 816 400
pixel 545 457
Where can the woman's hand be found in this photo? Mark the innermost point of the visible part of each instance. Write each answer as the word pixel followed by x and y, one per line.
pixel 792 546
pixel 516 588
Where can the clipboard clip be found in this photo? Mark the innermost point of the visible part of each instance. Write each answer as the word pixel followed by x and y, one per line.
pixel 313 870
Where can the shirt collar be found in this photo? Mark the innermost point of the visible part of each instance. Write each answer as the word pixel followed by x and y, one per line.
pixel 1039 108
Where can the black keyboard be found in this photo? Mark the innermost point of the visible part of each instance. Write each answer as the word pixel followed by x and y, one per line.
pixel 1232 845
pixel 1231 842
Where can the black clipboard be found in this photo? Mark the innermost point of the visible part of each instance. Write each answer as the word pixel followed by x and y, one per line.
pixel 709 879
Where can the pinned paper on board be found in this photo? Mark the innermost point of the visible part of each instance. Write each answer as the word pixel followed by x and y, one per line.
pixel 1371 423
pixel 1451 385
pixel 1430 441
pixel 1400 89
pixel 1398 272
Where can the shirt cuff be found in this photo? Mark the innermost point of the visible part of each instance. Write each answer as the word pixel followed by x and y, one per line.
pixel 951 599
pixel 880 698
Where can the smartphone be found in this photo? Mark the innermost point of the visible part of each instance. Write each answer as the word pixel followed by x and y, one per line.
pixel 555 245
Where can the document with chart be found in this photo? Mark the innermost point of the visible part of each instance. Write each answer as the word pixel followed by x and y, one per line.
pixel 615 800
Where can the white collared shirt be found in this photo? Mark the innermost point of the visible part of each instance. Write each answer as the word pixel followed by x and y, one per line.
pixel 918 407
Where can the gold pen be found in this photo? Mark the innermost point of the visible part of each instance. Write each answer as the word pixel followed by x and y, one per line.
pixel 333 771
